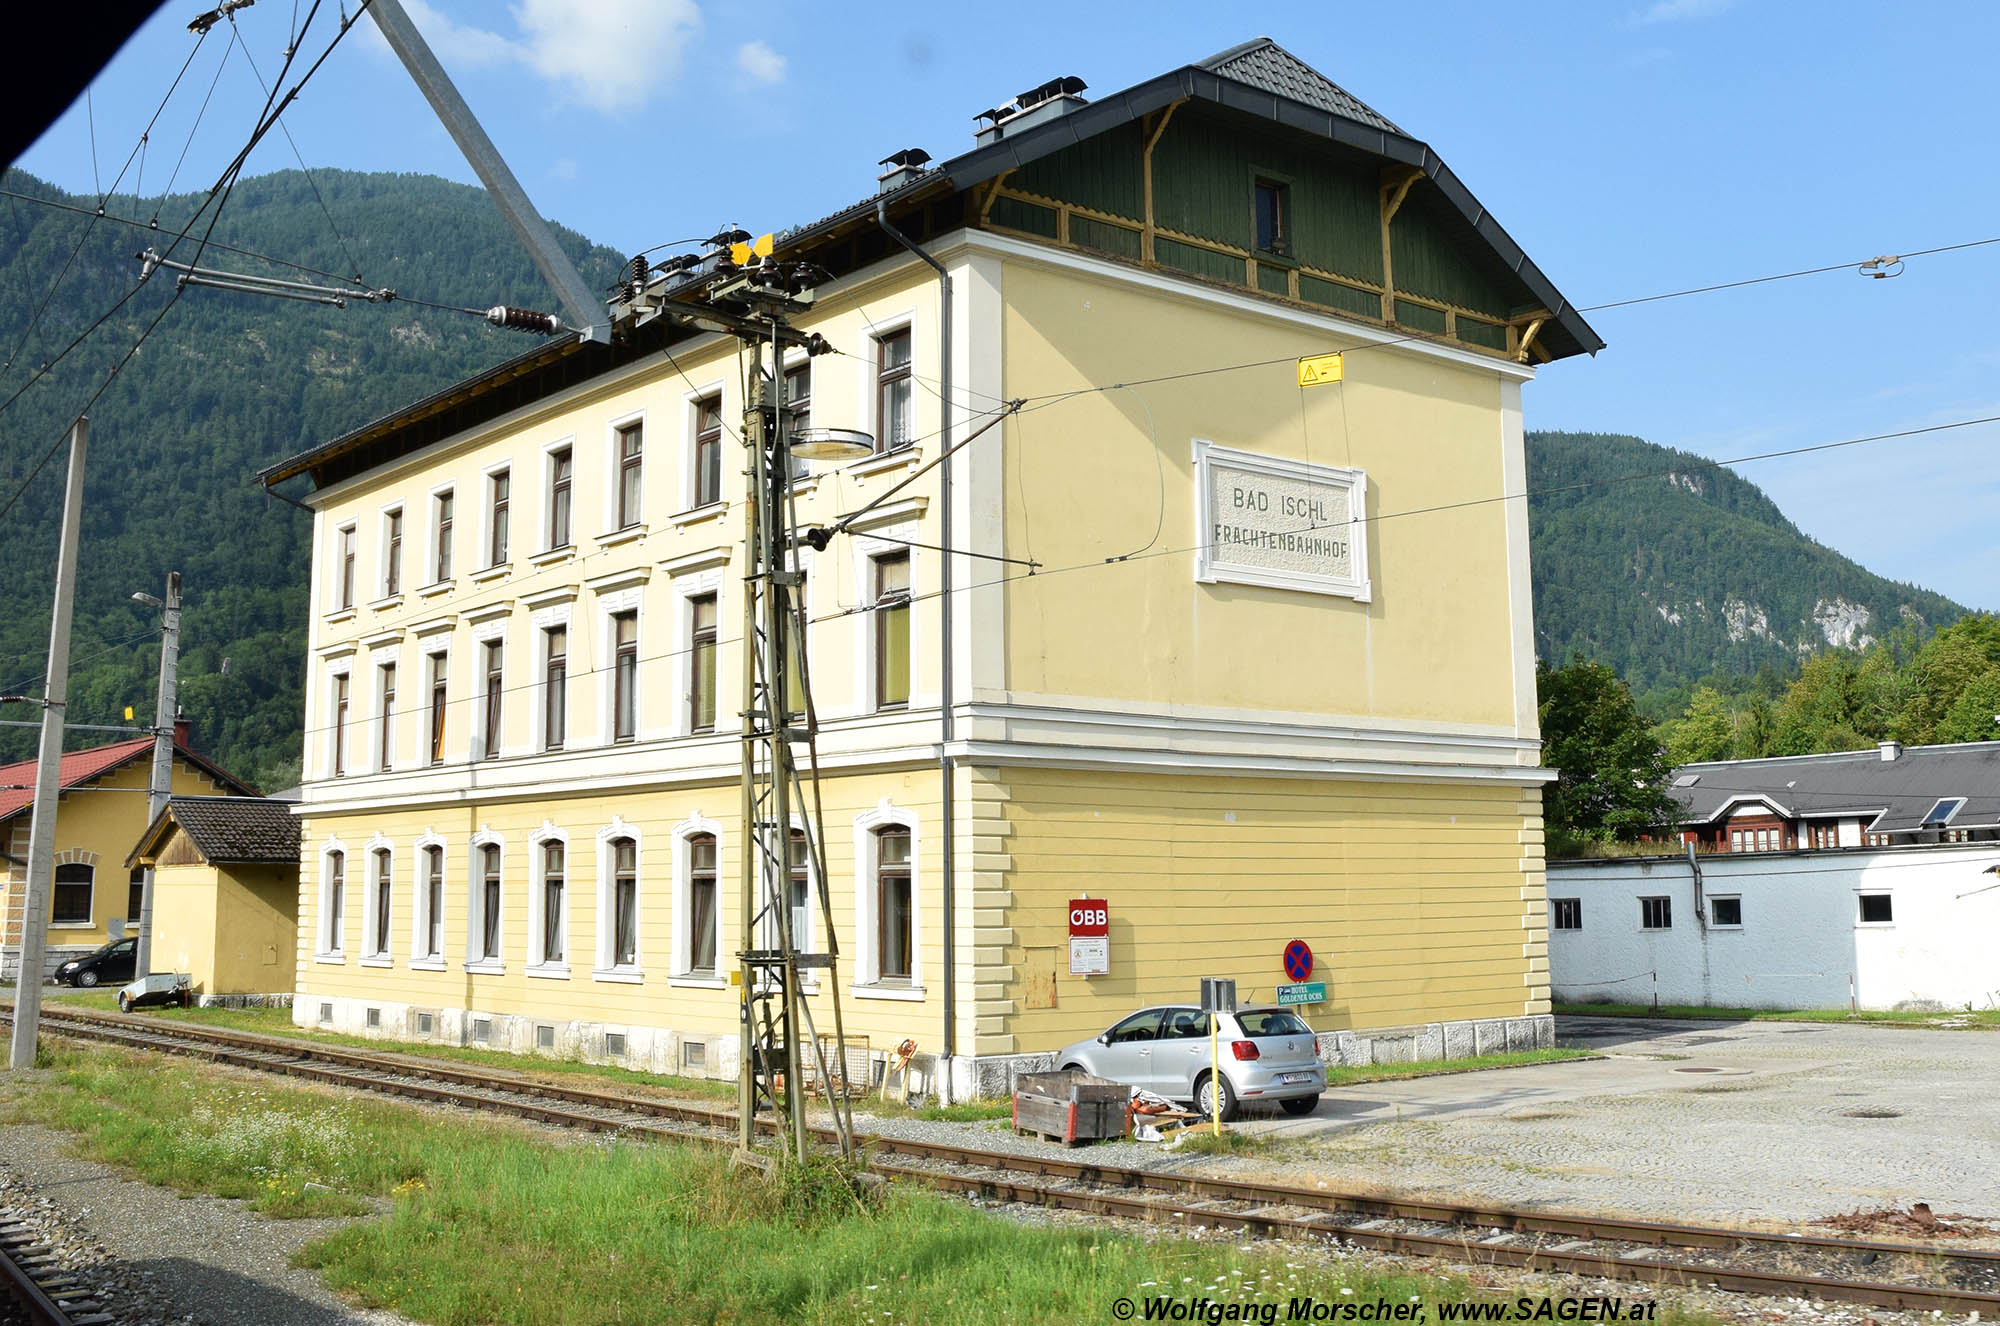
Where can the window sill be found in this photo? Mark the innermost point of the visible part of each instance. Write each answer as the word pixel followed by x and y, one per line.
pixel 713 511
pixel 340 615
pixel 493 572
pixel 1874 925
pixel 71 925
pixel 550 971
pixel 434 589
pixel 378 960
pixel 426 964
pixel 912 994
pixel 486 967
pixel 618 975
pixel 905 455
pixel 331 959
pixel 613 538
pixel 386 602
pixel 693 982
pixel 550 556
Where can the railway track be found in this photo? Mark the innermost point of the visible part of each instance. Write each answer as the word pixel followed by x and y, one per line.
pixel 42 1293
pixel 1906 1276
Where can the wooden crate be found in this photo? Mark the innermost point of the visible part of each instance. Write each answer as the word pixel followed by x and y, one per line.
pixel 1072 1108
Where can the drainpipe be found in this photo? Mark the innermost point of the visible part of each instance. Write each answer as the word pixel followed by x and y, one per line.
pixel 947 766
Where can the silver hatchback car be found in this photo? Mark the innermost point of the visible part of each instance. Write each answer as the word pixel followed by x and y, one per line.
pixel 1267 1054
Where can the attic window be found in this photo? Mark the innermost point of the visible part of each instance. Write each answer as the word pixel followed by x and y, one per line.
pixel 1940 814
pixel 1687 780
pixel 1273 208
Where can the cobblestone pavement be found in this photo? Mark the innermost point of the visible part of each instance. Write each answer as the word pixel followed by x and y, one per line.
pixel 1701 1121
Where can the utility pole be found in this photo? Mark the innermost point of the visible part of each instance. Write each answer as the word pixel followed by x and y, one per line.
pixel 161 786
pixel 48 764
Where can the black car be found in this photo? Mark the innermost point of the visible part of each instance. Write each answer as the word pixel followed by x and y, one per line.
pixel 111 965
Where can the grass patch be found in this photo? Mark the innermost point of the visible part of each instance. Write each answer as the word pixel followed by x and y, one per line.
pixel 278 1022
pixel 1202 1140
pixel 1338 1076
pixel 1985 1017
pixel 490 1222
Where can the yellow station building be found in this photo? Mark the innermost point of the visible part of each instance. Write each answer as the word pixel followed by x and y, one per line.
pixel 1245 661
pixel 100 813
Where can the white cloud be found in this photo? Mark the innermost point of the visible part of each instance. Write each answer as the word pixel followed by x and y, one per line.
pixel 564 169
pixel 610 55
pixel 760 63
pixel 1675 11
pixel 613 56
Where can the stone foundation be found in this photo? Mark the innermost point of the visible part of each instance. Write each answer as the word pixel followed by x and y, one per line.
pixel 52 957
pixel 666 1051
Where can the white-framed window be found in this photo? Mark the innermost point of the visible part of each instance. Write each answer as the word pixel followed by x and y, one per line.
pixel 427 902
pixel 345 542
pixel 392 552
pixel 620 900
pixel 437 670
pixel 1566 913
pixel 339 701
pixel 499 515
pixel 485 918
pixel 797 404
pixel 1656 913
pixel 377 906
pixel 889 642
pixel 385 716
pixel 1875 908
pixel 894 405
pixel 624 655
pixel 548 902
pixel 332 900
pixel 888 910
pixel 802 897
pixel 703 623
pixel 704 449
pixel 628 472
pixel 492 696
pixel 442 510
pixel 558 527
pixel 72 897
pixel 697 898
pixel 555 686
pixel 1725 911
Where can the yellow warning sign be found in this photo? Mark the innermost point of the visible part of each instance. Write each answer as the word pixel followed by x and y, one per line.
pixel 1317 369
pixel 741 254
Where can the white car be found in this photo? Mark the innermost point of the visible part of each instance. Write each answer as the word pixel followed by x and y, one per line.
pixel 1267 1054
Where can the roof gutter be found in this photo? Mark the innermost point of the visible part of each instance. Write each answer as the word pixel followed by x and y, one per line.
pixel 947 765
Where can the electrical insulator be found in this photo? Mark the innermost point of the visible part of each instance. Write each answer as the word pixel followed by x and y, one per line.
pixel 635 276
pixel 523 319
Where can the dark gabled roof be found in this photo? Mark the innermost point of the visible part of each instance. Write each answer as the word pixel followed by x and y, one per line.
pixel 1258 78
pixel 17 781
pixel 227 830
pixel 1895 795
pixel 1265 64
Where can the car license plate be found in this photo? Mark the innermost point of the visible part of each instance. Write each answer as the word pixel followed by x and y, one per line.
pixel 1290 1078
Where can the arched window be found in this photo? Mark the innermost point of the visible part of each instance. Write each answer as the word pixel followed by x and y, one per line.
pixel 702 904
pixel 383 873
pixel 432 934
pixel 895 916
pixel 336 903
pixel 554 921
pixel 624 902
pixel 486 904
pixel 74 884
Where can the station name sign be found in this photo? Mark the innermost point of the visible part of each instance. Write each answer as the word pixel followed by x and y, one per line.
pixel 1283 524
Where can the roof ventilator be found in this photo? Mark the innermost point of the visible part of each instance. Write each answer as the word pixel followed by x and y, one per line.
pixel 902 167
pixel 1038 105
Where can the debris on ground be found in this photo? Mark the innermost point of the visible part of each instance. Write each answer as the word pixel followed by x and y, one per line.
pixel 1917 1222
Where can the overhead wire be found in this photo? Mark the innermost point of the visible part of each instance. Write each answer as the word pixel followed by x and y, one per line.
pixel 34 321
pixel 224 186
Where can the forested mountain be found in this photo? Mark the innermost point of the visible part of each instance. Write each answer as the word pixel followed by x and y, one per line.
pixel 228 384
pixel 1693 572
pixel 1667 579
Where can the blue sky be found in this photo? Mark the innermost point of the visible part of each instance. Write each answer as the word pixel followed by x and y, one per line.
pixel 1631 146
